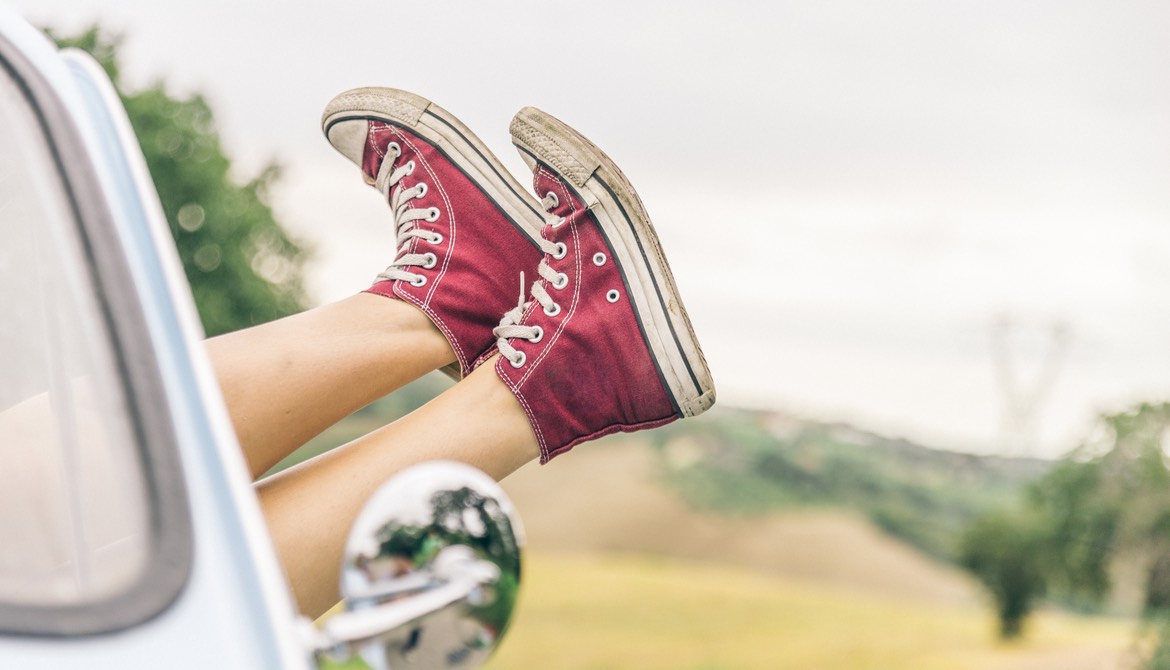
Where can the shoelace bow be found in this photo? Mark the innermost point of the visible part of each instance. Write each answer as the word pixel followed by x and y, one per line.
pixel 510 327
pixel 388 182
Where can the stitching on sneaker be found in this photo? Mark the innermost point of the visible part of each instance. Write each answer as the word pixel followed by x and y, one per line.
pixel 540 441
pixel 568 315
pixel 611 429
pixel 450 213
pixel 399 197
pixel 380 129
pixel 424 305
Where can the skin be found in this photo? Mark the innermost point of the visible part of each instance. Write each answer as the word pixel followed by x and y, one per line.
pixel 286 381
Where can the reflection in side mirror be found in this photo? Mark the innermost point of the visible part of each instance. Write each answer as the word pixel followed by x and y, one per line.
pixel 430 573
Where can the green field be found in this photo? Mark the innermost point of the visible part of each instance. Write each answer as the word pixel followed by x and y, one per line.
pixel 610 613
pixel 779 556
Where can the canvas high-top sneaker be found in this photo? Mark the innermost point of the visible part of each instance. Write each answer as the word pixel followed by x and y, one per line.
pixel 604 344
pixel 465 228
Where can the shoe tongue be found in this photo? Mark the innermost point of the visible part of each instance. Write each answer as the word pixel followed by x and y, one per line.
pixel 543 180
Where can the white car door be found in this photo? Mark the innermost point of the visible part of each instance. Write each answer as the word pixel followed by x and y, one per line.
pixel 129 534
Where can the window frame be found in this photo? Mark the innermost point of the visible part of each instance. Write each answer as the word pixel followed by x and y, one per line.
pixel 135 359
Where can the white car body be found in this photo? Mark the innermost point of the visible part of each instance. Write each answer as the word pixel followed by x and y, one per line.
pixel 211 593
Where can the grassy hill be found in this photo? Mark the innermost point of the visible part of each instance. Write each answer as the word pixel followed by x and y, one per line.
pixel 746 539
pixel 608 498
pixel 746 463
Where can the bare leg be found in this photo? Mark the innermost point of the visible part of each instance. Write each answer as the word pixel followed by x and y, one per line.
pixel 310 507
pixel 286 381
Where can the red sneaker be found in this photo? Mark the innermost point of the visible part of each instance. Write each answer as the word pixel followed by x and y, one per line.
pixel 466 229
pixel 604 344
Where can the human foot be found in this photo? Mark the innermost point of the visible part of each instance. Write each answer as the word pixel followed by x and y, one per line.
pixel 465 228
pixel 604 344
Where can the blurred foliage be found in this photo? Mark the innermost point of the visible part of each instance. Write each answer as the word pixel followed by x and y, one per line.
pixel 1076 528
pixel 243 268
pixel 1001 550
pixel 1156 652
pixel 742 462
pixel 1104 506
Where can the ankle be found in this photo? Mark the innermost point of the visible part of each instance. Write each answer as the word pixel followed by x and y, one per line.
pixel 477 421
pixel 400 325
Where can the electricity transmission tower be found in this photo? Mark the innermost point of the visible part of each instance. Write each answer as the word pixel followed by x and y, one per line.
pixel 1027 361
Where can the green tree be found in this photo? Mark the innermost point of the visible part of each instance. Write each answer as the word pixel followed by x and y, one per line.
pixel 1122 504
pixel 1002 550
pixel 243 268
pixel 1106 503
pixel 1079 533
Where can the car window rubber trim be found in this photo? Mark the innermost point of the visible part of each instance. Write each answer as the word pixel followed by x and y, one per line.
pixel 169 558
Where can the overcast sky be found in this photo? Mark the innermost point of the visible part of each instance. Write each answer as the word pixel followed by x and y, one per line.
pixel 852 193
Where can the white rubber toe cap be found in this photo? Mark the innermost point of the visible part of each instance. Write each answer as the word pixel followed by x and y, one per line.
pixel 349 138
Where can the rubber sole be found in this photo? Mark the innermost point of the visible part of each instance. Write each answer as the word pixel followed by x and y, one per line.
pixel 601 186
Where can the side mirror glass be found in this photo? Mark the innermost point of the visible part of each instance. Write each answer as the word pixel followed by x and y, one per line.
pixel 430 573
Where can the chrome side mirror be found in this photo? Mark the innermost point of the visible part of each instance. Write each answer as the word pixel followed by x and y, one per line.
pixel 430 573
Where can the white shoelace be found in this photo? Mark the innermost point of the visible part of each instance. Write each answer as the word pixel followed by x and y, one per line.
pixel 510 327
pixel 405 216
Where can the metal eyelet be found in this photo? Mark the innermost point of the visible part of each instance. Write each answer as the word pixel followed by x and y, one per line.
pixel 560 222
pixel 433 214
pixel 538 336
pixel 561 282
pixel 419 281
pixel 436 238
pixel 421 185
pixel 561 251
pixel 613 295
pixel 409 167
pixel 519 362
pixel 553 311
pixel 599 259
pixel 555 200
pixel 431 260
pixel 397 149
